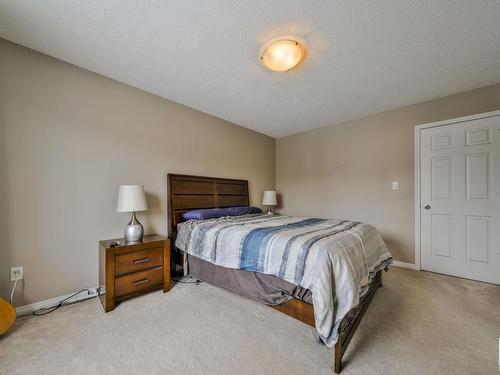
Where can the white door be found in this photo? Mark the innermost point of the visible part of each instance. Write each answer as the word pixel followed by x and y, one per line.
pixel 460 199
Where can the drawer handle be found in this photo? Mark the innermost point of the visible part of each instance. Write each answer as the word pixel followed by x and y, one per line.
pixel 143 281
pixel 142 260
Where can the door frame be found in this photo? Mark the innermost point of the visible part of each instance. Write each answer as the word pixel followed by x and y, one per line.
pixel 418 131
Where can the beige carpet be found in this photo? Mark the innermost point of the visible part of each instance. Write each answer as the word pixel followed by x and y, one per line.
pixel 418 323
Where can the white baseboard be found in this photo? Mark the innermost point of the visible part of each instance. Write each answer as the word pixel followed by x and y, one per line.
pixel 409 266
pixel 29 309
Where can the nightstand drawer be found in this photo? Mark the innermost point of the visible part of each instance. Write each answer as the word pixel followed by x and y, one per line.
pixel 138 260
pixel 138 281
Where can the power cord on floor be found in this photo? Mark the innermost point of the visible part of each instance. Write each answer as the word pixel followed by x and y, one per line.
pixel 61 303
pixel 185 280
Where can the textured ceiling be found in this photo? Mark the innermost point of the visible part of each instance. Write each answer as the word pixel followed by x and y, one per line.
pixel 364 57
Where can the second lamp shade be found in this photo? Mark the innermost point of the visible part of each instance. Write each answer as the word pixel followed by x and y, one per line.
pixel 269 198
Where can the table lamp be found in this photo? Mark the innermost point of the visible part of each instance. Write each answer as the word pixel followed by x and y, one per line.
pixel 131 198
pixel 269 200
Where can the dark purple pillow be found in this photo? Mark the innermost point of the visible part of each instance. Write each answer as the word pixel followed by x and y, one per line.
pixel 245 210
pixel 204 214
pixel 213 213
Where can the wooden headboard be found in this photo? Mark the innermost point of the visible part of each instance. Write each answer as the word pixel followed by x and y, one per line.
pixel 187 193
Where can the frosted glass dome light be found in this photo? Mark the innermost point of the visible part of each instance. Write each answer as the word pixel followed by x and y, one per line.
pixel 283 55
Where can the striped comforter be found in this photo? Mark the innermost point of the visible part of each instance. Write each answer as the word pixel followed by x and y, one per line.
pixel 334 259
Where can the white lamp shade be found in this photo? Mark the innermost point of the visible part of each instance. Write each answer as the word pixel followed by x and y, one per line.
pixel 131 198
pixel 269 198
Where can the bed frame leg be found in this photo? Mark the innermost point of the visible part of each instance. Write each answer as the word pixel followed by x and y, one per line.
pixel 338 357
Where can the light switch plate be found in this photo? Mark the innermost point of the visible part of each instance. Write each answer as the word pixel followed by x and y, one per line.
pixel 395 185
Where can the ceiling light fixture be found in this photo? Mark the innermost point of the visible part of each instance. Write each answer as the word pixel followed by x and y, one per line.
pixel 282 55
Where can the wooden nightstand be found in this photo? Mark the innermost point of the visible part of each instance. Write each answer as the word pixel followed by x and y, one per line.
pixel 130 270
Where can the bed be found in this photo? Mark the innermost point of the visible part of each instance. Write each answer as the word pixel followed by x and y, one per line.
pixel 323 272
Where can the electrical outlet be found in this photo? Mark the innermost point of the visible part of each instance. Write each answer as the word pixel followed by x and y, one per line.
pixel 395 185
pixel 16 273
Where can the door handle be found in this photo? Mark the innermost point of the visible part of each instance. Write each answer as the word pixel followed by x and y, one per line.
pixel 427 207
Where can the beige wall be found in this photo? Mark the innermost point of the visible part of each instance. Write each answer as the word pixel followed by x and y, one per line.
pixel 68 138
pixel 346 170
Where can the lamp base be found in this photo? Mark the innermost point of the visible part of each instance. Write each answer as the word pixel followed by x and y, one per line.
pixel 133 230
pixel 269 210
